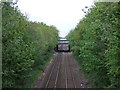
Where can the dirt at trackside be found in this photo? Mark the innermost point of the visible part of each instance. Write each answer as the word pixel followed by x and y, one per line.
pixel 62 72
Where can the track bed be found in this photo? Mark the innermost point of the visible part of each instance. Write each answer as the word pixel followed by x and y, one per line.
pixel 63 72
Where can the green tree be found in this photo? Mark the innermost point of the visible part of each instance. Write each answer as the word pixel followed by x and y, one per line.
pixel 95 42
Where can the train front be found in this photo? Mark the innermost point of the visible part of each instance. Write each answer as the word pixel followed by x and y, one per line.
pixel 63 46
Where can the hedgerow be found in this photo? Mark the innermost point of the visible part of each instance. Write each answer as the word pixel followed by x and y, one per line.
pixel 27 46
pixel 96 43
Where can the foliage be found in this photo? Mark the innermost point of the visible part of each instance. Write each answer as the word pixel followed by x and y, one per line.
pixel 26 46
pixel 96 42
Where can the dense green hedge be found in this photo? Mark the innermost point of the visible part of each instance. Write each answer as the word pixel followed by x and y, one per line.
pixel 96 43
pixel 27 46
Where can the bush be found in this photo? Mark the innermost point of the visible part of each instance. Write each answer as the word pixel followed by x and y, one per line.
pixel 26 46
pixel 95 41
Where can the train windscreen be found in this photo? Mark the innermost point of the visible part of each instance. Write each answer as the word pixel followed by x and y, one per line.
pixel 64 47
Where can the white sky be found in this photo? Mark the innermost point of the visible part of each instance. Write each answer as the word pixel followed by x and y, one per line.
pixel 64 14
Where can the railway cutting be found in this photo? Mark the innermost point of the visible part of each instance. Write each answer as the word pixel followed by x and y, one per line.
pixel 63 71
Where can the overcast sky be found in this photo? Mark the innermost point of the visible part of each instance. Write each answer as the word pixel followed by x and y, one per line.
pixel 64 14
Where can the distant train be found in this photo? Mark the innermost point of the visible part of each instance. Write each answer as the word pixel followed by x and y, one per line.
pixel 62 46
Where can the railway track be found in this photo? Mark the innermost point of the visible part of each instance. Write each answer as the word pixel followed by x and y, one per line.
pixel 68 76
pixel 62 73
pixel 66 81
pixel 53 77
pixel 71 71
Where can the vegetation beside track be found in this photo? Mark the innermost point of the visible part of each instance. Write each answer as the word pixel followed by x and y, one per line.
pixel 26 47
pixel 96 43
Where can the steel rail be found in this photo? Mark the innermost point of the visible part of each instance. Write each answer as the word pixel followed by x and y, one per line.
pixel 57 75
pixel 66 81
pixel 71 71
pixel 51 73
